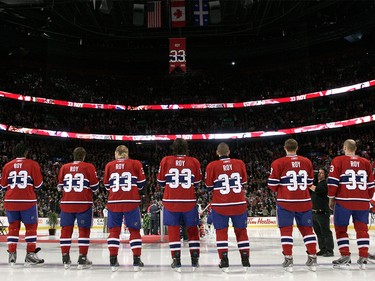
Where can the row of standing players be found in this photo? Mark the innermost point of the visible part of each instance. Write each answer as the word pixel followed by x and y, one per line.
pixel 350 189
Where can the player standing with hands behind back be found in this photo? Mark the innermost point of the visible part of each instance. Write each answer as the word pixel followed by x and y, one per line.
pixel 350 188
pixel 226 179
pixel 180 174
pixel 77 181
pixel 291 177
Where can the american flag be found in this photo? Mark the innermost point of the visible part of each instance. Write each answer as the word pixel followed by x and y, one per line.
pixel 154 14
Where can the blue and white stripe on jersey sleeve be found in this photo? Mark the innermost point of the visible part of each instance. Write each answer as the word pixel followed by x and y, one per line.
pixel 141 184
pixel 196 184
pixel 94 187
pixel 209 187
pixel 333 181
pixel 38 186
pixel 310 181
pixel 161 183
pixel 273 182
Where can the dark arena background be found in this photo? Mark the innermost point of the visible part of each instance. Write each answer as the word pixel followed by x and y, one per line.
pixel 251 73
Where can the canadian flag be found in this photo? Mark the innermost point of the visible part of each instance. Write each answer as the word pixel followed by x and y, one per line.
pixel 178 13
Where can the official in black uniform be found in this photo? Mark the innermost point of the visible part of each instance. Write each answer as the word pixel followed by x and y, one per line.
pixel 321 214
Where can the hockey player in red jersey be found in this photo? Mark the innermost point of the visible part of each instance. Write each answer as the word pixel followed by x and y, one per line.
pixel 123 178
pixel 350 188
pixel 226 179
pixel 179 175
pixel 371 257
pixel 20 178
pixel 291 177
pixel 77 181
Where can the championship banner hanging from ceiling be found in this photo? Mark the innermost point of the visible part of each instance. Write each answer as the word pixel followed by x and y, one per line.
pixel 177 54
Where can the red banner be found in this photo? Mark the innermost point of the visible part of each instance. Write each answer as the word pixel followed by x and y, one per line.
pixel 178 13
pixel 177 54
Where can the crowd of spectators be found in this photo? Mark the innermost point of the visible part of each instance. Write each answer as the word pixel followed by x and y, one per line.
pixel 263 118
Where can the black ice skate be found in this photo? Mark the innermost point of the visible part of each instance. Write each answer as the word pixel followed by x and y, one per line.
pixel 84 262
pixel 362 262
pixel 245 260
pixel 195 260
pixel 311 262
pixel 33 259
pixel 12 258
pixel 114 263
pixel 342 262
pixel 66 260
pixel 224 262
pixel 176 264
pixel 137 263
pixel 288 263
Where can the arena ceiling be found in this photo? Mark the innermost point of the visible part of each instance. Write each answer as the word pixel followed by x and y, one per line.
pixel 249 27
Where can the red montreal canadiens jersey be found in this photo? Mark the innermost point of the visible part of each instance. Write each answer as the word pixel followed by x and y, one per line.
pixel 19 178
pixel 226 177
pixel 351 182
pixel 179 175
pixel 77 181
pixel 123 178
pixel 291 177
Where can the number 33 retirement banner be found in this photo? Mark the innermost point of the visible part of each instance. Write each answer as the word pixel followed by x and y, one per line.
pixel 177 54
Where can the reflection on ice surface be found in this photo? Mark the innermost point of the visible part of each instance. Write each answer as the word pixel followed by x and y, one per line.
pixel 265 259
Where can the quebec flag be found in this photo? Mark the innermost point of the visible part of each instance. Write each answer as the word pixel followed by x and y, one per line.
pixel 200 12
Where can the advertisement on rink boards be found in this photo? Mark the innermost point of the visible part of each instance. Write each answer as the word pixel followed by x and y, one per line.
pixel 99 222
pixel 253 222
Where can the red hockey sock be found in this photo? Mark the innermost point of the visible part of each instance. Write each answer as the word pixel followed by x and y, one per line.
pixel 66 238
pixel 135 241
pixel 83 240
pixel 13 234
pixel 342 239
pixel 174 239
pixel 30 237
pixel 222 241
pixel 242 240
pixel 363 240
pixel 287 239
pixel 193 237
pixel 309 239
pixel 113 240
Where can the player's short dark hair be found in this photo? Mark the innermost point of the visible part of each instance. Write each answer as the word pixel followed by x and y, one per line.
pixel 20 150
pixel 180 147
pixel 79 154
pixel 291 145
